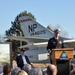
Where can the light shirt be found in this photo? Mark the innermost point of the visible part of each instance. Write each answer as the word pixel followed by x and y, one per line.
pixel 24 59
pixel 57 38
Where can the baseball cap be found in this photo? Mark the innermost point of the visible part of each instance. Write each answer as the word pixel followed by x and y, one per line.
pixel 23 49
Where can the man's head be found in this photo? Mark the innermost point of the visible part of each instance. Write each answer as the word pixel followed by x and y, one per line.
pixel 27 67
pixel 51 69
pixel 35 71
pixel 6 69
pixel 57 32
pixel 15 71
pixel 23 50
pixel 22 72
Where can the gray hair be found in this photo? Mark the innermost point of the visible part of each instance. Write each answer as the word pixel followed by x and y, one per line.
pixel 15 71
pixel 35 71
pixel 27 68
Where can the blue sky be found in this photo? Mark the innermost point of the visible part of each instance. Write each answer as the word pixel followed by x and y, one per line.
pixel 46 12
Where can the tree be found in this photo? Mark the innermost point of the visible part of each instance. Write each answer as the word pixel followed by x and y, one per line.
pixel 48 27
pixel 63 33
pixel 15 25
pixel 2 38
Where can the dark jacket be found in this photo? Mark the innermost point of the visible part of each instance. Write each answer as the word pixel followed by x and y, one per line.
pixel 52 43
pixel 20 62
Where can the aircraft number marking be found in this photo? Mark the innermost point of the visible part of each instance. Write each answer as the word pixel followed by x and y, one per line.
pixel 32 31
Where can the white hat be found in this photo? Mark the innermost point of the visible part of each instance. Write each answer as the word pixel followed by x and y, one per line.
pixel 57 31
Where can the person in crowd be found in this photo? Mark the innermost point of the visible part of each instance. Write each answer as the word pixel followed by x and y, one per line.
pixel 22 59
pixel 6 69
pixel 1 70
pixel 35 71
pixel 72 72
pixel 51 69
pixel 27 68
pixel 72 66
pixel 22 72
pixel 15 71
pixel 55 42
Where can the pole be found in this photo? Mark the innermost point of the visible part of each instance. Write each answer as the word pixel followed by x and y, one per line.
pixel 20 41
pixel 20 35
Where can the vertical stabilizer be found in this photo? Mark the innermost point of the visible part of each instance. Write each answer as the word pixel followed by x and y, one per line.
pixel 33 29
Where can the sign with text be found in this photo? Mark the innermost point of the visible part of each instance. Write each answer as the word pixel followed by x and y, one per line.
pixel 5 53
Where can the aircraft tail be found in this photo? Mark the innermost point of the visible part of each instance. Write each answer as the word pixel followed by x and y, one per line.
pixel 33 29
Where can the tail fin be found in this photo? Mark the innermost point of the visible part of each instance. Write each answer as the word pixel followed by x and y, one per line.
pixel 33 29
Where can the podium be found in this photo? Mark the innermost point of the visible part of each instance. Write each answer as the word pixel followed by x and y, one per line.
pixel 61 58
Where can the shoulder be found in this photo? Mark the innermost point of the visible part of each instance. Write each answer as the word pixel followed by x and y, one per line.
pixel 52 38
pixel 18 55
pixel 26 56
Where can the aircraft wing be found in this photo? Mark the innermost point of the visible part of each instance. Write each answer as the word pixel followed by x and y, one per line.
pixel 69 41
pixel 34 45
pixel 42 44
pixel 19 38
pixel 35 42
pixel 30 39
pixel 37 39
